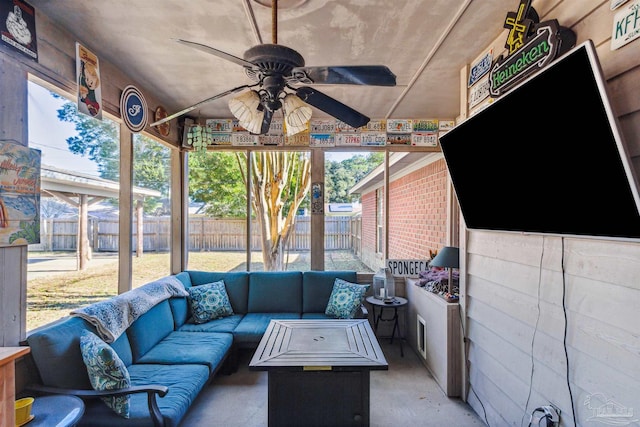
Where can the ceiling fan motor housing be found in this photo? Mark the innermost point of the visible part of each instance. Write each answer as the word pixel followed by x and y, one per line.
pixel 272 59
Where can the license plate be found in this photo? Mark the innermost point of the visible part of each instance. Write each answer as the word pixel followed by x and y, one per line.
pixel 398 138
pixel 425 125
pixel 301 138
pixel 376 125
pixel 271 139
pixel 220 125
pixel 424 139
pixel 399 125
pixel 373 138
pixel 348 139
pixel 322 140
pixel 220 138
pixel 242 138
pixel 343 127
pixel 446 125
pixel 321 126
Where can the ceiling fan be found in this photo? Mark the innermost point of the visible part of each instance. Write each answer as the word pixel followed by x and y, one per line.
pixel 276 71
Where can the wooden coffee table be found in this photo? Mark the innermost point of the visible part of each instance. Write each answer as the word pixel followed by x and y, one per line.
pixel 318 371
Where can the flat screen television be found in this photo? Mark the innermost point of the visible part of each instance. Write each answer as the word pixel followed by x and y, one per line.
pixel 547 157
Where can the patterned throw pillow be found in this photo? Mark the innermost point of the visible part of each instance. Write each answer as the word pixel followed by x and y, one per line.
pixel 209 302
pixel 106 370
pixel 345 299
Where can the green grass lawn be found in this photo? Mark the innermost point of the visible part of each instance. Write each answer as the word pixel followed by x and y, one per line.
pixel 55 295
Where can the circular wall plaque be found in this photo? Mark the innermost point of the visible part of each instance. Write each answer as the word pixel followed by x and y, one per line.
pixel 165 127
pixel 133 109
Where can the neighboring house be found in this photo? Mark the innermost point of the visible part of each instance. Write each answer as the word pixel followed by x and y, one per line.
pixel 417 208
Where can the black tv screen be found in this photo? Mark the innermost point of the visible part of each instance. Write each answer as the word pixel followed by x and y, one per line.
pixel 547 157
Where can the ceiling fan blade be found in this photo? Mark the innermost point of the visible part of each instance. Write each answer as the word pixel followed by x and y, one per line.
pixel 332 106
pixel 266 121
pixel 194 106
pixel 372 75
pixel 220 54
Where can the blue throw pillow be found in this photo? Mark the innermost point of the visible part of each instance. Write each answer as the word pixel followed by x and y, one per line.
pixel 209 302
pixel 345 299
pixel 106 370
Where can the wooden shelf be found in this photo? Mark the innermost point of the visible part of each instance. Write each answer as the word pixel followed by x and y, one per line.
pixel 8 356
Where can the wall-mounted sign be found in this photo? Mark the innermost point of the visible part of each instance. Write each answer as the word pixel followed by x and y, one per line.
pixel 480 68
pixel 317 198
pixel 88 78
pixel 19 195
pixel 479 92
pixel 164 128
pixel 531 45
pixel 133 109
pixel 626 25
pixel 407 267
pixel 19 29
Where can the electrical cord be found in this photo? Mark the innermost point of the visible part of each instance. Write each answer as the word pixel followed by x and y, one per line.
pixel 533 337
pixel 566 326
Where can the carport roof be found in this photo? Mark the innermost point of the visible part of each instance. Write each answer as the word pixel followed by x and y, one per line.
pixel 69 183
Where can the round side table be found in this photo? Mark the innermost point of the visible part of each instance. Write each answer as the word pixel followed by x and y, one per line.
pixel 56 410
pixel 395 304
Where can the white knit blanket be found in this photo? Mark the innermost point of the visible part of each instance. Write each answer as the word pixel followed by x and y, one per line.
pixel 113 316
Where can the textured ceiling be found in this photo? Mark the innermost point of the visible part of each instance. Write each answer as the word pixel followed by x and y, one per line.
pixel 424 42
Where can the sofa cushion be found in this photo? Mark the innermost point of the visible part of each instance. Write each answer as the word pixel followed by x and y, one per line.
pixel 253 325
pixel 106 371
pixel 224 324
pixel 236 282
pixel 209 302
pixel 206 348
pixel 184 383
pixel 150 328
pixel 55 349
pixel 179 305
pixel 345 299
pixel 275 292
pixel 317 287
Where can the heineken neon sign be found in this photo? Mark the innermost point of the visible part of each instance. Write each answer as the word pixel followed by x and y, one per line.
pixel 532 45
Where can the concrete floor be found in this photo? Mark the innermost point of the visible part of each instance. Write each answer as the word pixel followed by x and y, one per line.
pixel 405 395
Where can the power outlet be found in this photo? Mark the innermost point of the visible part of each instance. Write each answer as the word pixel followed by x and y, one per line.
pixel 549 413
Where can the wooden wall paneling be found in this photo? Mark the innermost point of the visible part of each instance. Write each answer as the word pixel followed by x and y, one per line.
pixel 596 25
pixel 622 91
pixel 13 103
pixel 604 261
pixel 13 295
pixel 629 125
pixel 499 409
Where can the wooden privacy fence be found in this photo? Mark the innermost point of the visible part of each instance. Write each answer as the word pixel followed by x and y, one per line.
pixel 205 234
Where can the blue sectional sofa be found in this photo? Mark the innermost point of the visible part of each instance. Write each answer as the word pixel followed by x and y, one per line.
pixel 169 358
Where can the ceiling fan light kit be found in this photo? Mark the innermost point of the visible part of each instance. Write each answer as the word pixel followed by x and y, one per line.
pixel 245 108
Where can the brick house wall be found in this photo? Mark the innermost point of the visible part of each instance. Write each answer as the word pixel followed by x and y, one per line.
pixel 418 212
pixel 417 216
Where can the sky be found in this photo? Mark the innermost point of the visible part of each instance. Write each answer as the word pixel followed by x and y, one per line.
pixel 48 134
